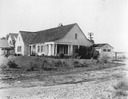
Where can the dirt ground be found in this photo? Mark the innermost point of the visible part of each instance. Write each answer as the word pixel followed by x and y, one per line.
pixel 96 84
pixel 99 84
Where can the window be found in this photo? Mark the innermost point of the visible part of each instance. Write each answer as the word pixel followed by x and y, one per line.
pixel 104 50
pixel 38 48
pixel 75 36
pixel 65 49
pixel 10 42
pixel 19 49
pixel 109 50
pixel 42 48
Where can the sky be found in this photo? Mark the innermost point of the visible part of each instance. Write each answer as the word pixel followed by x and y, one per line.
pixel 107 19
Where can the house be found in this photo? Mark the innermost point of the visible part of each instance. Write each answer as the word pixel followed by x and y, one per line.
pixel 12 39
pixel 4 47
pixel 62 39
pixel 104 49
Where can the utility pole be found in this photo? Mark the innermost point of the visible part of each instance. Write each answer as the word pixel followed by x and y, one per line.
pixel 90 35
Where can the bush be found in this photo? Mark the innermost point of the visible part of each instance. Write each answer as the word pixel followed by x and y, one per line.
pixel 32 66
pixel 12 64
pixel 77 64
pixel 61 55
pixel 46 65
pixel 88 53
pixel 85 64
pixel 74 55
pixel 3 67
pixel 105 59
pixel 58 64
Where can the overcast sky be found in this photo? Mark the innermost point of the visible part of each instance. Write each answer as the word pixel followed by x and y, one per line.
pixel 107 19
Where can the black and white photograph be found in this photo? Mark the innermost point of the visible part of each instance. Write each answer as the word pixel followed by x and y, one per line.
pixel 63 49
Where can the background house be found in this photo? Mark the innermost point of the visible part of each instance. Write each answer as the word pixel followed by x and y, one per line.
pixel 12 39
pixel 4 47
pixel 104 49
pixel 62 39
pixel 120 55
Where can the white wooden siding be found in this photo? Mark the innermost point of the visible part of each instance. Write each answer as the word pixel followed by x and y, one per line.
pixel 70 37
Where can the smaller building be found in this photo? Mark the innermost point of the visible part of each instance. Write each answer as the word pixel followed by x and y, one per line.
pixel 104 49
pixel 4 47
pixel 12 39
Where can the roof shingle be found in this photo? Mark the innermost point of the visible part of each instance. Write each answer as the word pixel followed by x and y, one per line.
pixel 4 43
pixel 13 35
pixel 100 45
pixel 46 35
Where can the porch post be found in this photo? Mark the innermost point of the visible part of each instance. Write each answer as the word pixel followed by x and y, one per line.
pixel 68 49
pixel 55 49
pixel 30 49
pixel 71 49
pixel 45 49
pixel 53 45
pixel 49 50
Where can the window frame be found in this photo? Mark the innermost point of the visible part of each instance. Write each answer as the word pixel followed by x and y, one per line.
pixel 109 50
pixel 19 48
pixel 104 50
pixel 76 36
pixel 38 48
pixel 42 48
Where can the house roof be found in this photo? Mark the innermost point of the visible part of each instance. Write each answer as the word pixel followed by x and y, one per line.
pixel 100 45
pixel 4 43
pixel 13 35
pixel 46 35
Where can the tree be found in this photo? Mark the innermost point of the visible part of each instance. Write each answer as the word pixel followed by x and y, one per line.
pixel 88 53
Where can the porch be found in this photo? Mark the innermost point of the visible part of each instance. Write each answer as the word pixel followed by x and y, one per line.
pixel 52 49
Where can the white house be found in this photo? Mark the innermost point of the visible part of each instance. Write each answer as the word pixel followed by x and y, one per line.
pixel 12 39
pixel 4 47
pixel 62 39
pixel 104 49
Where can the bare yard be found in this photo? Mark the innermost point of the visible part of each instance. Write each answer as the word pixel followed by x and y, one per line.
pixel 74 83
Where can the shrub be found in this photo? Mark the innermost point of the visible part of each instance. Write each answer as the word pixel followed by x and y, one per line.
pixel 74 55
pixel 58 63
pixel 61 55
pixel 32 66
pixel 105 59
pixel 77 64
pixel 46 65
pixel 85 64
pixel 12 64
pixel 88 53
pixel 3 67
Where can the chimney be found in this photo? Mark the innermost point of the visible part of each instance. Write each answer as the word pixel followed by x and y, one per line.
pixel 60 25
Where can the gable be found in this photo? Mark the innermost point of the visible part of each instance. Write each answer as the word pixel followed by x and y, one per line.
pixel 13 36
pixel 103 45
pixel 70 37
pixel 9 39
pixel 107 46
pixel 19 40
